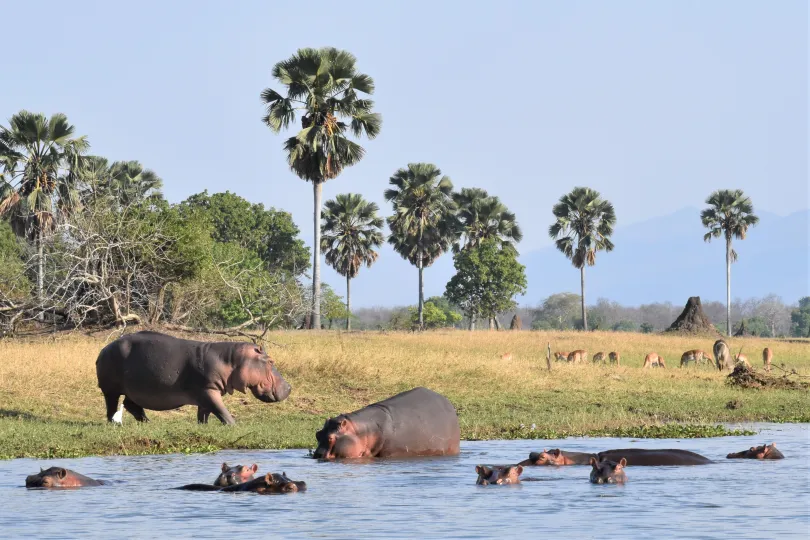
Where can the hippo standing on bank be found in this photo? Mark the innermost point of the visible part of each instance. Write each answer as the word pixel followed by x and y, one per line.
pixel 418 422
pixel 59 478
pixel 159 372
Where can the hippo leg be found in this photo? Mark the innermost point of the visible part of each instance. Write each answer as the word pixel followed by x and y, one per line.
pixel 135 410
pixel 202 415
pixel 211 402
pixel 111 400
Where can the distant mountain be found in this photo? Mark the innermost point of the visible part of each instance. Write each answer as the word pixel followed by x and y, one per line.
pixel 661 259
pixel 666 259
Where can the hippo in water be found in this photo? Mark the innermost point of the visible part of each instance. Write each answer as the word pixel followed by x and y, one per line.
pixel 418 422
pixel 557 457
pixel 498 474
pixel 608 472
pixel 230 476
pixel 159 372
pixel 57 477
pixel 766 451
pixel 269 483
pixel 639 457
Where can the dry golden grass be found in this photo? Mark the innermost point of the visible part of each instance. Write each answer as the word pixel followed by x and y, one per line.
pixel 51 404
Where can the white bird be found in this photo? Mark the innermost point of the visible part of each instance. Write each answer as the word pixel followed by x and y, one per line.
pixel 118 417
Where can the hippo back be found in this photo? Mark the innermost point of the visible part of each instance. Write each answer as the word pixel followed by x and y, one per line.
pixel 422 423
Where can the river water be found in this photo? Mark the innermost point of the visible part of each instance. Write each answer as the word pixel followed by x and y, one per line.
pixel 428 498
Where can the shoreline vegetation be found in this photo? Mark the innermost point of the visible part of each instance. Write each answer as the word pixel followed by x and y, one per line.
pixel 52 407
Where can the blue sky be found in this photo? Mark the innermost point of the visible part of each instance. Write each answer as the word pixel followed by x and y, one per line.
pixel 655 104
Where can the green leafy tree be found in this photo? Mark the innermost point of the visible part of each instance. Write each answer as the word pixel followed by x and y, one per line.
pixel 647 328
pixel 486 281
pixel 800 318
pixel 557 312
pixel 434 316
pixel 326 87
pixel 583 225
pixel 482 217
pixel 269 233
pixel 624 326
pixel 451 313
pixel 39 158
pixel 14 286
pixel 423 226
pixel 730 214
pixel 332 305
pixel 350 232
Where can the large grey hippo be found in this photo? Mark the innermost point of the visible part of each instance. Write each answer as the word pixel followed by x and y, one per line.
pixel 418 422
pixel 159 372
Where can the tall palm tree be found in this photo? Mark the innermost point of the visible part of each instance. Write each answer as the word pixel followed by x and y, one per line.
pixel 481 217
pixel 324 85
pixel 583 225
pixel 730 213
pixel 40 159
pixel 351 230
pixel 423 225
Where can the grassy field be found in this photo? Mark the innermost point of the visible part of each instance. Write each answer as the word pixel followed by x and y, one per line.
pixel 50 405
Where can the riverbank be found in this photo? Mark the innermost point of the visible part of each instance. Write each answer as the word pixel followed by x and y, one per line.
pixel 51 406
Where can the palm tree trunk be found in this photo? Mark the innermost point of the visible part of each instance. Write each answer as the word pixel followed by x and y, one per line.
pixel 421 295
pixel 348 303
pixel 40 271
pixel 728 286
pixel 582 284
pixel 317 188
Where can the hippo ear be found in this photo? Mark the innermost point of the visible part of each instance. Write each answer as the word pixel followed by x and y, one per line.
pixel 344 424
pixel 519 469
pixel 268 478
pixel 479 469
pixel 61 473
pixel 622 463
pixel 773 445
pixel 225 467
pixel 254 468
pixel 556 452
pixel 41 470
pixel 593 462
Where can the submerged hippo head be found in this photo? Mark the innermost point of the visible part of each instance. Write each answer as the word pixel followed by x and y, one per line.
pixel 547 457
pixel 276 483
pixel 339 439
pixel 766 451
pixel 608 472
pixel 55 477
pixel 230 476
pixel 255 370
pixel 498 474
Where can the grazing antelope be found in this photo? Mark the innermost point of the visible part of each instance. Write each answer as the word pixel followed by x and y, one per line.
pixel 506 356
pixel 767 356
pixel 615 358
pixel 562 356
pixel 577 356
pixel 599 357
pixel 696 356
pixel 654 360
pixel 722 355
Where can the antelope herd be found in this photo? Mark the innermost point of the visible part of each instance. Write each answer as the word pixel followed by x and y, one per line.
pixel 723 358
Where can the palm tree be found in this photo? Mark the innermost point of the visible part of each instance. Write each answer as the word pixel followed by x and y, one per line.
pixel 423 225
pixel 584 223
pixel 40 160
pixel 350 232
pixel 126 182
pixel 481 217
pixel 730 213
pixel 323 84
